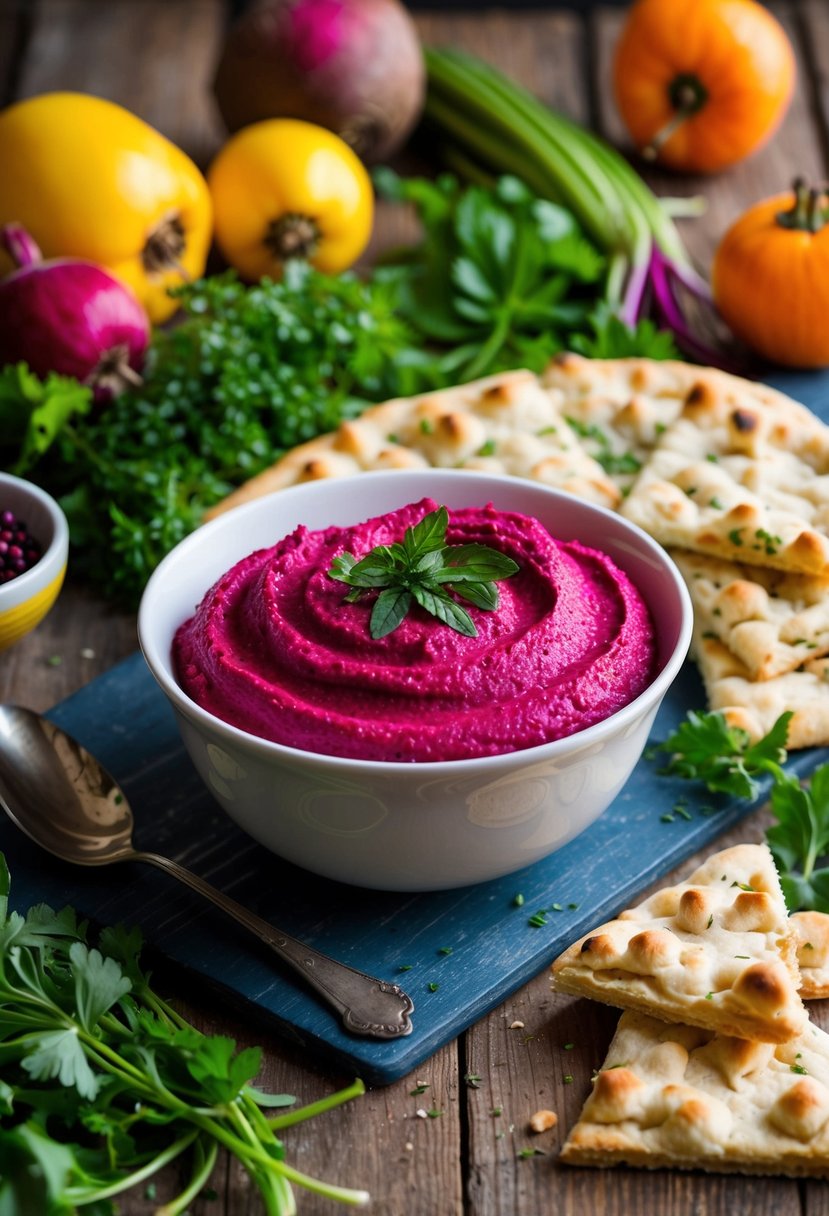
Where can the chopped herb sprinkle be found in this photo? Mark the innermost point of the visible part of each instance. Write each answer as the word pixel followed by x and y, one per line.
pixel 445 950
pixel 420 1088
pixel 531 1152
pixel 567 1078
pixel 538 919
pixel 518 900
pixel 432 986
pixel 799 1069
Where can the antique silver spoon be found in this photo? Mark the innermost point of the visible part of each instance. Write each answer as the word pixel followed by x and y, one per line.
pixel 60 796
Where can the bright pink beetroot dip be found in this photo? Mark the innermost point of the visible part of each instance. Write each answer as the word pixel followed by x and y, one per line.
pixel 274 649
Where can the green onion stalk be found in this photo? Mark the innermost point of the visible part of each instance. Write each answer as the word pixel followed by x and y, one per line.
pixel 492 125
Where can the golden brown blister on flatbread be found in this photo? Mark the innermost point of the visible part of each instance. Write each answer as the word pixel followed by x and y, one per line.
pixel 715 950
pixel 771 620
pixel 683 1097
pixel 504 425
pixel 812 938
pixel 755 705
pixel 746 482
pixel 619 407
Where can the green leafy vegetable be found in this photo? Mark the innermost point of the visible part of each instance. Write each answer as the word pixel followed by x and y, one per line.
pixel 423 569
pixel 247 373
pixel 505 279
pixel 104 1083
pixel 33 412
pixel 707 749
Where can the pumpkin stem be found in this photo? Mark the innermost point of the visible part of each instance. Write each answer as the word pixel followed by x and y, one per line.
pixel 687 94
pixel 808 212
pixel 292 236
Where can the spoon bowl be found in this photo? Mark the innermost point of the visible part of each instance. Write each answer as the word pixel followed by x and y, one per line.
pixel 64 800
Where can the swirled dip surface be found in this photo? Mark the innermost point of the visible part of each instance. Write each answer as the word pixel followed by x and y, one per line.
pixel 275 650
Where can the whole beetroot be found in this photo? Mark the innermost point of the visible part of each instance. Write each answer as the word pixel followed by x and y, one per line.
pixel 69 316
pixel 354 66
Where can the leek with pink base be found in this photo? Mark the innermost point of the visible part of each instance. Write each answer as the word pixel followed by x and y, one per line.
pixel 493 126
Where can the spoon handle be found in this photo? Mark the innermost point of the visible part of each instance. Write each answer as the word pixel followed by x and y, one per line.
pixel 370 1007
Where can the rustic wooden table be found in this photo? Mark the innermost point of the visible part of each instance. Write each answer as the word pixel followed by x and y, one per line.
pixel 155 57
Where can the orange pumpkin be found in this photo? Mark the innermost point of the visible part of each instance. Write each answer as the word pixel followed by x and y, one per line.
pixel 700 84
pixel 770 278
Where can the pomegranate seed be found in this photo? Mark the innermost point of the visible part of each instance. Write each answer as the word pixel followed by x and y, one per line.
pixel 19 550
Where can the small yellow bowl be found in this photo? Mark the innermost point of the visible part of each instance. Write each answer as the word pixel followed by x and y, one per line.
pixel 25 600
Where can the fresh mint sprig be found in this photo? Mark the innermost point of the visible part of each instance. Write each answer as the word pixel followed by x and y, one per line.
pixel 423 569
pixel 706 748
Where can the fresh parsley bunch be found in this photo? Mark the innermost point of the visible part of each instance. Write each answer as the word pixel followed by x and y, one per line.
pixel 245 373
pixel 103 1083
pixel 423 569
pixel 504 279
pixel 706 748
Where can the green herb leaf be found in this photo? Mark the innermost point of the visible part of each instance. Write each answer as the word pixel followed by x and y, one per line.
pixel 423 569
pixel 104 1083
pixel 706 748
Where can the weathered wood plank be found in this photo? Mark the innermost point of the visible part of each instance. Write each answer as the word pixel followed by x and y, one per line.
pixel 15 21
pixel 813 18
pixel 156 57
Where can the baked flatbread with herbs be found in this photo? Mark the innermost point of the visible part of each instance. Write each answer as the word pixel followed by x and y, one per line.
pixel 619 407
pixel 687 1098
pixel 755 705
pixel 771 620
pixel 503 424
pixel 748 482
pixel 715 951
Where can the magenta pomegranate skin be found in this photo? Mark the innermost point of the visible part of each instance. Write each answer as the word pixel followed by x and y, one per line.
pixel 69 316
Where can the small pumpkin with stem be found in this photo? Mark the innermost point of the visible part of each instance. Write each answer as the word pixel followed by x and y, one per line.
pixel 770 277
pixel 701 84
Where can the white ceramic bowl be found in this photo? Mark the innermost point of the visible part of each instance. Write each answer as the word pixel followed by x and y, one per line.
pixel 25 600
pixel 411 826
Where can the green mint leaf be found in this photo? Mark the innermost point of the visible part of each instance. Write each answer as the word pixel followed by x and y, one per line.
pixel 469 278
pixel 477 563
pixel 482 595
pixel 426 536
pixel 422 569
pixel 342 565
pixel 389 610
pixel 446 610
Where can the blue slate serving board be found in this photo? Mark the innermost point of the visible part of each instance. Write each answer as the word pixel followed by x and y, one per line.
pixel 463 951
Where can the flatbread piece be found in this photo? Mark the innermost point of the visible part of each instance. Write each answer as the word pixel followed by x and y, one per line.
pixel 683 1097
pixel 771 620
pixel 748 482
pixel 714 951
pixel 504 424
pixel 755 705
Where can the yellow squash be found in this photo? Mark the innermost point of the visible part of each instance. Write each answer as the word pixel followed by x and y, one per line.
pixel 89 179
pixel 284 188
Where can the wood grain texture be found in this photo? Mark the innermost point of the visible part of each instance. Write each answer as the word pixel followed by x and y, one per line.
pixel 155 57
